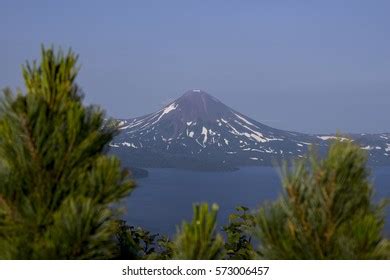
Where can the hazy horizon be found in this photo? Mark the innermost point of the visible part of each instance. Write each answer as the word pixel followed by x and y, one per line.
pixel 307 67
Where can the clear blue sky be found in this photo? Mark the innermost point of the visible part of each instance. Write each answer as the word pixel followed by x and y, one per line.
pixel 310 66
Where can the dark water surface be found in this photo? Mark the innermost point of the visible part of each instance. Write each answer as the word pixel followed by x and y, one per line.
pixel 162 200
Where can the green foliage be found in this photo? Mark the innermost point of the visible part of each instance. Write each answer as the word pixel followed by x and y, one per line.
pixel 326 211
pixel 198 240
pixel 239 241
pixel 57 184
pixel 138 243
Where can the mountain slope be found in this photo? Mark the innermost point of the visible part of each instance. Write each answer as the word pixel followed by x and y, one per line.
pixel 199 131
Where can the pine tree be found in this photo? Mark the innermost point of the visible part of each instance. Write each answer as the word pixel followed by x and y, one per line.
pixel 326 211
pixel 198 240
pixel 58 186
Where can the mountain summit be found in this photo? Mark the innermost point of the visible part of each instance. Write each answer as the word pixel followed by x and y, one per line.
pixel 199 131
pixel 197 104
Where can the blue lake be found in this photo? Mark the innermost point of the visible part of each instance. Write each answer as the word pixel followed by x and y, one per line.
pixel 164 199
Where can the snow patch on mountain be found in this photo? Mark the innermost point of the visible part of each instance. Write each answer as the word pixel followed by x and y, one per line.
pixel 114 145
pixel 330 137
pixel 129 145
pixel 204 133
pixel 368 147
pixel 244 120
pixel 166 110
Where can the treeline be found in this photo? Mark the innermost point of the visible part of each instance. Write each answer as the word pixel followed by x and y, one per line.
pixel 59 188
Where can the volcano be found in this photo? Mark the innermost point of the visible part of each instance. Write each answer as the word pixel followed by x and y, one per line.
pixel 198 131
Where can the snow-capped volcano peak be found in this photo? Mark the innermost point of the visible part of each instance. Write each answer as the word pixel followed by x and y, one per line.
pixel 197 126
pixel 194 106
pixel 196 122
